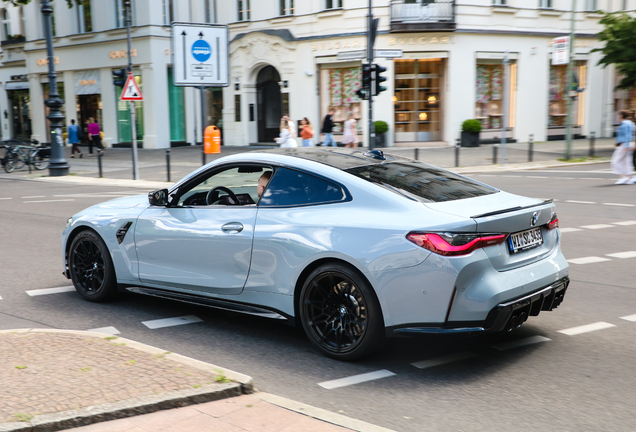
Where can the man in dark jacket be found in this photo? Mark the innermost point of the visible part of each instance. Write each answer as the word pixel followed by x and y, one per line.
pixel 327 129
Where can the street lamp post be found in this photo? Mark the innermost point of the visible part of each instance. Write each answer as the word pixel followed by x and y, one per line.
pixel 58 166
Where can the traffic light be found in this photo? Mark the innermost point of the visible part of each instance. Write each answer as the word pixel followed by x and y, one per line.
pixel 378 79
pixel 366 76
pixel 120 76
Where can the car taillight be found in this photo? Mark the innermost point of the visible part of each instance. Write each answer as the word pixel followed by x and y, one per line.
pixel 451 244
pixel 554 222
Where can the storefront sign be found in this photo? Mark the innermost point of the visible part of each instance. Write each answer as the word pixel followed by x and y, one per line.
pixel 87 82
pixel 577 43
pixel 422 40
pixel 561 53
pixel 335 45
pixel 44 61
pixel 122 53
pixel 19 78
pixel 352 55
pixel 388 53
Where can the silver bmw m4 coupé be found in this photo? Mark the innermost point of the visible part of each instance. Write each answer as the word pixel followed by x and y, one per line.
pixel 354 246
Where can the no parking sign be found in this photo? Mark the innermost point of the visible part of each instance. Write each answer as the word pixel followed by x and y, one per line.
pixel 200 55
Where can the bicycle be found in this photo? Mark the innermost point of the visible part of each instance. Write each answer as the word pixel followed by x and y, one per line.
pixel 18 155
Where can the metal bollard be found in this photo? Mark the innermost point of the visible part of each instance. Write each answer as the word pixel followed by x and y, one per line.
pixel 99 164
pixel 417 153
pixel 530 148
pixel 592 139
pixel 457 146
pixel 495 149
pixel 203 161
pixel 168 164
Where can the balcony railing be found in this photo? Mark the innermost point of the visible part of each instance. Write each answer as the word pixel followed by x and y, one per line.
pixel 422 15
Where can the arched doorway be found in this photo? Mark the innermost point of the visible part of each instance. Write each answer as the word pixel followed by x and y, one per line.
pixel 269 104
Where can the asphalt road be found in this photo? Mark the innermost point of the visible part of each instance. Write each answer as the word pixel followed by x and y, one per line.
pixel 557 382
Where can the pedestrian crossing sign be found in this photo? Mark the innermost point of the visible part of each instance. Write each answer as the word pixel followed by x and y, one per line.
pixel 131 90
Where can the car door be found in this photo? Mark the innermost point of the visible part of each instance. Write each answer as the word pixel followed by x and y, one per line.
pixel 197 244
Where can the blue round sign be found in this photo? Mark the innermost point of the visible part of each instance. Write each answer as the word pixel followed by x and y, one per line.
pixel 201 50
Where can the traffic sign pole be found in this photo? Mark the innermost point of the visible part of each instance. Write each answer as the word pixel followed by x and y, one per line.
pixel 133 114
pixel 370 43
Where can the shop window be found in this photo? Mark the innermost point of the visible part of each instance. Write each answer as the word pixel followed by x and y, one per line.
pixel 286 7
pixel 545 4
pixel 591 5
pixel 177 111
pixel 333 4
pixel 123 116
pixel 558 95
pixel 6 25
pixel 120 13
pixel 417 99
pixel 237 108
pixel 84 17
pixel 214 108
pixel 338 91
pixel 500 2
pixel 490 93
pixel 243 7
pixel 168 11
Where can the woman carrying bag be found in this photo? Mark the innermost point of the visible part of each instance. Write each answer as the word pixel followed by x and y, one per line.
pixel 621 162
pixel 306 133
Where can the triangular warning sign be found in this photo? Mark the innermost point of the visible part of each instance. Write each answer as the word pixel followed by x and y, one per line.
pixel 131 90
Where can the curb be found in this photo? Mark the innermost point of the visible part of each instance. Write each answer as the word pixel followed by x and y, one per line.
pixel 242 384
pixel 521 167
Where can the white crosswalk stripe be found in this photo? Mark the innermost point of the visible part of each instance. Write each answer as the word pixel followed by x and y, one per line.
pixel 355 379
pixel 106 330
pixel 631 318
pixel 46 291
pixel 587 328
pixel 597 226
pixel 623 255
pixel 588 260
pixel 170 322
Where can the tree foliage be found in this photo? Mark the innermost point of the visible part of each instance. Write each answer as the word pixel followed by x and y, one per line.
pixel 24 2
pixel 619 35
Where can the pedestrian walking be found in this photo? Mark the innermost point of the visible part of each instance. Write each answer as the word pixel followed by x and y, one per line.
pixel 73 138
pixel 292 126
pixel 94 136
pixel 306 133
pixel 285 140
pixel 327 129
pixel 621 162
pixel 350 135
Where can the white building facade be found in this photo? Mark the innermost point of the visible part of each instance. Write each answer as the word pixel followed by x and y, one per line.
pixel 283 59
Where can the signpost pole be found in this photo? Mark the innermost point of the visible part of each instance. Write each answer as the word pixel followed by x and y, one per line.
pixel 568 88
pixel 504 116
pixel 370 42
pixel 133 113
pixel 202 90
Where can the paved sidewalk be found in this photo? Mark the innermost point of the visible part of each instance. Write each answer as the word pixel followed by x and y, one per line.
pixel 60 379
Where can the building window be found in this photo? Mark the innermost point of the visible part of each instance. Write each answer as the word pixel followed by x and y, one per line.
pixel 545 4
pixel 338 88
pixel 591 5
pixel 210 11
pixel 168 11
pixel 286 7
pixel 333 4
pixel 499 2
pixel 6 25
pixel 120 13
pixel 243 10
pixel 624 5
pixel 237 108
pixel 557 108
pixel 84 17
pixel 490 93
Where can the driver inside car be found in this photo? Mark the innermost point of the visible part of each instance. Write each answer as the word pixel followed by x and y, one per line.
pixel 262 182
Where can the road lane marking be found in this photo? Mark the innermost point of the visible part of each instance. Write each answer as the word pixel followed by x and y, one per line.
pixel 46 291
pixel 106 330
pixel 625 223
pixel 170 322
pixel 628 254
pixel 631 318
pixel 617 204
pixel 355 379
pixel 6 198
pixel 586 328
pixel 593 178
pixel 520 342
pixel 0 297
pixel 579 202
pixel 588 260
pixel 442 360
pixel 47 201
pixel 34 196
pixel 597 226
pixel 566 230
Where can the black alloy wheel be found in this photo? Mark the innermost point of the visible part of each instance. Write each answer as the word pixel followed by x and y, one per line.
pixel 91 267
pixel 340 313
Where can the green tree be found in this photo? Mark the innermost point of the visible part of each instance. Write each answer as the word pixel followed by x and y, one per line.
pixel 619 35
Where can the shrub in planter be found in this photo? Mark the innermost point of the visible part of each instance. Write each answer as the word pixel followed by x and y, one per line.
pixel 381 128
pixel 470 133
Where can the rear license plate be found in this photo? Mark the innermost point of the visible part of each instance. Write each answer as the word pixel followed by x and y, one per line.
pixel 525 240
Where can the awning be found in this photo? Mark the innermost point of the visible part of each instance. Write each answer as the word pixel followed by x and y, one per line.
pixel 16 85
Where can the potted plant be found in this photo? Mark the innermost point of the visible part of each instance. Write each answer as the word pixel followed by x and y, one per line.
pixel 470 133
pixel 381 128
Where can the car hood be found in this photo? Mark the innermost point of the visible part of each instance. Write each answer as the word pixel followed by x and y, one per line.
pixel 140 201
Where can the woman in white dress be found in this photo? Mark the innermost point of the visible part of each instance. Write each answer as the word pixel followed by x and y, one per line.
pixel 350 135
pixel 285 139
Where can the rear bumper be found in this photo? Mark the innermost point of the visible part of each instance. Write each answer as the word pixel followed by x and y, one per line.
pixel 505 316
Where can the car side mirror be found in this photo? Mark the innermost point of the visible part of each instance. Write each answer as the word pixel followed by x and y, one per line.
pixel 158 197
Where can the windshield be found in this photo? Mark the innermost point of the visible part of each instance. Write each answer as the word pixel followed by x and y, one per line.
pixel 421 182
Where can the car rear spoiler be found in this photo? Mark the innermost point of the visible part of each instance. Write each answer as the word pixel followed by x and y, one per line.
pixel 511 209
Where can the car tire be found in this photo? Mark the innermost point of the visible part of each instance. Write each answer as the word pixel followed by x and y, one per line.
pixel 91 267
pixel 340 312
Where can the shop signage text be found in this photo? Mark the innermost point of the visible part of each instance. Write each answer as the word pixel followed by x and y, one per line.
pixel 21 78
pixel 44 61
pixel 335 45
pixel 122 53
pixel 577 43
pixel 422 40
pixel 87 82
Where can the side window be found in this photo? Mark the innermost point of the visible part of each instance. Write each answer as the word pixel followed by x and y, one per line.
pixel 289 187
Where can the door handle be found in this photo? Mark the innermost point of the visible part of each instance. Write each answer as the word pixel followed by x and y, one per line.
pixel 232 226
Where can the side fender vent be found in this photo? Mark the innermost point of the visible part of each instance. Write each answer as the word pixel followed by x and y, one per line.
pixel 121 232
